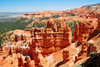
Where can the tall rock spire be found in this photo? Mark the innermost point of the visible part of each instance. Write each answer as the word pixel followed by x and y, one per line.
pixel 76 32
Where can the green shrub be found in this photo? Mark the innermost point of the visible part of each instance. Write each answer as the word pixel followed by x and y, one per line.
pixel 44 18
pixel 55 16
pixel 57 23
pixel 11 62
pixel 92 54
pixel 72 25
pixel 39 25
pixel 78 66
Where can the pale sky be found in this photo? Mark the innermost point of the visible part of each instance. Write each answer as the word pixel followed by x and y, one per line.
pixel 42 5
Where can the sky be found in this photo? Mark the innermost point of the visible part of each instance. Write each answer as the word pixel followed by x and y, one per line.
pixel 42 5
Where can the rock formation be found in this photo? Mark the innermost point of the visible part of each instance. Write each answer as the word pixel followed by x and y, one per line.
pixel 20 62
pixel 76 33
pixel 98 28
pixel 65 56
pixel 52 46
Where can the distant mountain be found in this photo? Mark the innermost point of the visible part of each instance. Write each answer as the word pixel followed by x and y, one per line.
pixel 17 12
pixel 10 14
pixel 92 7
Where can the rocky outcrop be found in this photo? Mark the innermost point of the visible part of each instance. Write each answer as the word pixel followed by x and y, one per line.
pixel 29 62
pixel 65 56
pixel 98 27
pixel 21 62
pixel 91 47
pixel 10 48
pixel 18 37
pixel 76 33
pixel 82 33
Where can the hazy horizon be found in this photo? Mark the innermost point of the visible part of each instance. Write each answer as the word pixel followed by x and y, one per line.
pixel 42 5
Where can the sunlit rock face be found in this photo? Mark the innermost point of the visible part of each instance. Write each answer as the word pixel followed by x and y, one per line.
pixel 10 48
pixel 76 32
pixel 18 37
pixel 83 30
pixel 49 40
pixel 98 28
pixel 65 55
